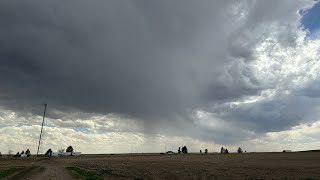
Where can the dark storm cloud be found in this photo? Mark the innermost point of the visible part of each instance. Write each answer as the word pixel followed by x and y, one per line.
pixel 272 114
pixel 151 60
pixel 122 57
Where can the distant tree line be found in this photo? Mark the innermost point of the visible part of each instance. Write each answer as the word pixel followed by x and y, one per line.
pixel 27 153
pixel 184 150
pixel 223 150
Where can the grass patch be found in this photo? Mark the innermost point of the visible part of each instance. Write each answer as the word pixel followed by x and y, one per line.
pixel 83 174
pixel 10 171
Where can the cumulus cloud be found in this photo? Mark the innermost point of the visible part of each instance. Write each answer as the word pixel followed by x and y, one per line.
pixel 219 71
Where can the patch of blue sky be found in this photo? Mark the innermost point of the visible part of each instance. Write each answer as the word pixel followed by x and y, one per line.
pixel 91 131
pixel 101 131
pixel 83 130
pixel 78 129
pixel 23 124
pixel 3 126
pixel 50 125
pixel 20 124
pixel 311 20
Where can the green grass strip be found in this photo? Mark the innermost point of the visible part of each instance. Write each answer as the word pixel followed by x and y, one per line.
pixel 10 171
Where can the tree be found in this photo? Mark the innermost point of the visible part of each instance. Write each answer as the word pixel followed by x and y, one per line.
pixel 60 151
pixel 17 155
pixel 239 150
pixel 69 149
pixel 28 153
pixel 48 153
pixel 184 149
pixel 10 152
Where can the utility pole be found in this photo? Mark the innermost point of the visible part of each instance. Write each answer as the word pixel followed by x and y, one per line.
pixel 44 114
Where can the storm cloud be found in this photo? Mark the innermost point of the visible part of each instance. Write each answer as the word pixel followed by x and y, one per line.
pixel 161 63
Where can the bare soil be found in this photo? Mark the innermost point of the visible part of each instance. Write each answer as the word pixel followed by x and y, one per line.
pixel 302 165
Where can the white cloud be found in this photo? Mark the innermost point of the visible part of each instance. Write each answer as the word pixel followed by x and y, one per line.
pixel 298 138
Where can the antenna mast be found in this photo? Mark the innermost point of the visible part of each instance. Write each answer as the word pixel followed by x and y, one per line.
pixel 44 114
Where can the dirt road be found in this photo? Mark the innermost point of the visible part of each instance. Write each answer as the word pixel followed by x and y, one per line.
pixel 53 170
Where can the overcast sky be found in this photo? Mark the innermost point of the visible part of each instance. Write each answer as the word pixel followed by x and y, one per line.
pixel 150 76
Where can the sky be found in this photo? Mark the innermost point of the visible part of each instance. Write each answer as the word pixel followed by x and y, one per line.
pixel 151 76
